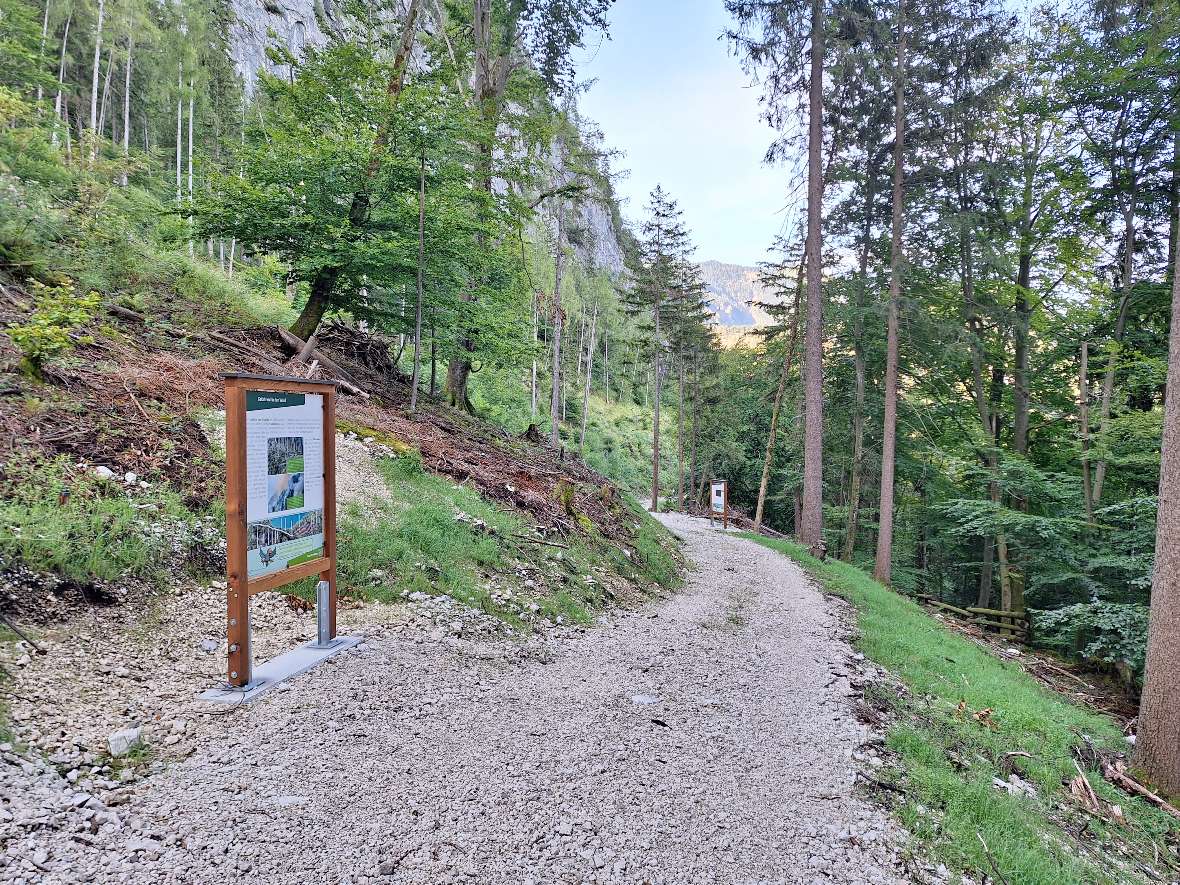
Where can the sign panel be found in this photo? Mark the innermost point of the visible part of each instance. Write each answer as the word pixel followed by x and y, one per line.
pixel 718 497
pixel 280 497
pixel 284 480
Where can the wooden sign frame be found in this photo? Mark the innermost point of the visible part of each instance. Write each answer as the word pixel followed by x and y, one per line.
pixel 239 585
pixel 713 483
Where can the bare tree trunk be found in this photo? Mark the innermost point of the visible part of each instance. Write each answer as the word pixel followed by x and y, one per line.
pixel 589 376
pixel 229 269
pixel 192 98
pixel 421 259
pixel 883 569
pixel 776 408
pixel 41 53
pixel 680 437
pixel 58 108
pixel 811 530
pixel 94 81
pixel 106 92
pixel 180 141
pixel 606 363
pixel 1157 747
pixel 555 402
pixel 127 112
pixel 696 398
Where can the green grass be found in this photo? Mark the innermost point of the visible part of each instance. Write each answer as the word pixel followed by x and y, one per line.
pixel 105 530
pixel 949 758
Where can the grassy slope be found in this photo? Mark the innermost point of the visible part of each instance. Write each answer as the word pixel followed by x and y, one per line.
pixel 949 757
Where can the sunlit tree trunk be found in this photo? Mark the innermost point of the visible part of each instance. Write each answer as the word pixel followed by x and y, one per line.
pixel 41 52
pixel 589 376
pixel 127 113
pixel 680 436
pixel 94 81
pixel 655 424
pixel 192 98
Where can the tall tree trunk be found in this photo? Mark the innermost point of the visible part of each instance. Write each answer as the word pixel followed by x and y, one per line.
pixel 655 424
pixel 606 363
pixel 776 407
pixel 104 102
pixel 58 108
pixel 192 98
pixel 1157 747
pixel 180 137
pixel 883 569
pixel 858 364
pixel 1174 209
pixel 94 81
pixel 696 397
pixel 680 436
pixel 127 112
pixel 421 260
pixel 811 531
pixel 555 400
pixel 41 53
pixel 588 378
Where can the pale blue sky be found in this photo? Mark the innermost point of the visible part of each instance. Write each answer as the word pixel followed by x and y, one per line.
pixel 676 102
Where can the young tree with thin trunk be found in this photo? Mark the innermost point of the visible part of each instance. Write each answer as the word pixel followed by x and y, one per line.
pixel 421 261
pixel 555 399
pixel 94 81
pixel 883 569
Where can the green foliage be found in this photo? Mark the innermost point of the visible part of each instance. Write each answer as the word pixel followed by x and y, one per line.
pixel 104 531
pixel 58 312
pixel 1107 632
pixel 950 757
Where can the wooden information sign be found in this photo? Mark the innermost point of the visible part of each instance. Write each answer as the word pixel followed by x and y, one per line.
pixel 719 502
pixel 280 496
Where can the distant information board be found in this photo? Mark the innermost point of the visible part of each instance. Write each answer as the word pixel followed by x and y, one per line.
pixel 719 501
pixel 284 480
pixel 718 497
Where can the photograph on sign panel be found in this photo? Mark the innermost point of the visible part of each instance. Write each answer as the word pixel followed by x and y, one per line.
pixel 284 541
pixel 284 473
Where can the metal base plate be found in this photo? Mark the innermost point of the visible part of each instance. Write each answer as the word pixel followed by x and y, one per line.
pixel 277 670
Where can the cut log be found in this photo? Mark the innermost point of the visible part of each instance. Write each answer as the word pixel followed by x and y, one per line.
pixel 297 344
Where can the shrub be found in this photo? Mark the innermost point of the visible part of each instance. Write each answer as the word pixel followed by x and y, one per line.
pixel 58 313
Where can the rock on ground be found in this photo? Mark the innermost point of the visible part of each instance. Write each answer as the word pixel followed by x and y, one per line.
pixel 707 738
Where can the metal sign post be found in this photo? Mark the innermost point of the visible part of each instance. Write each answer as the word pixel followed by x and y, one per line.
pixel 280 499
pixel 719 502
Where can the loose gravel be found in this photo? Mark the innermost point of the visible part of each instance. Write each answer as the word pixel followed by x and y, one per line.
pixel 707 738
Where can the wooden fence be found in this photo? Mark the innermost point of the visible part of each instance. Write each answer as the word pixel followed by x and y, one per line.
pixel 1012 624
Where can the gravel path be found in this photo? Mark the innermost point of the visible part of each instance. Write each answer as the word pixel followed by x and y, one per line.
pixel 708 738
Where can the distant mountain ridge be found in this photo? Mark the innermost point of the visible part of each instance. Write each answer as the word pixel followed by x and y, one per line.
pixel 732 290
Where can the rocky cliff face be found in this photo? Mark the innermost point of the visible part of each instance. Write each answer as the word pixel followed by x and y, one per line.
pixel 301 23
pixel 259 23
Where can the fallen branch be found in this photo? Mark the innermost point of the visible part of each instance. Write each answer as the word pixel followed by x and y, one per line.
pixel 540 541
pixel 1116 773
pixel 991 859
pixel 142 411
pixel 345 380
pixel 17 630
